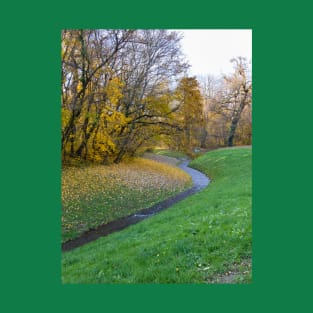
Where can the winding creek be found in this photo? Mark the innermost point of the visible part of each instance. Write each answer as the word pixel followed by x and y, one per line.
pixel 200 181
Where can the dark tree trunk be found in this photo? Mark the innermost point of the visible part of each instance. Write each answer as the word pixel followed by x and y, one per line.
pixel 230 140
pixel 235 120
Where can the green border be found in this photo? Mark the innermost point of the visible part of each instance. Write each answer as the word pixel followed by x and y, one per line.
pixel 31 156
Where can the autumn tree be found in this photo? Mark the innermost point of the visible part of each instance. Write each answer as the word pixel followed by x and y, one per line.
pixel 190 114
pixel 115 90
pixel 228 106
pixel 209 87
pixel 239 94
pixel 86 58
pixel 152 63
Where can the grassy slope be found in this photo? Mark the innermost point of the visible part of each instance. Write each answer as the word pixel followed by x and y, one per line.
pixel 204 238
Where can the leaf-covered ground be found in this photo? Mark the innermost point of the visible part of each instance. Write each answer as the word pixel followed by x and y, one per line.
pixel 98 194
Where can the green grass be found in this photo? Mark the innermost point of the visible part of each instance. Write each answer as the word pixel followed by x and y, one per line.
pixel 205 238
pixel 93 195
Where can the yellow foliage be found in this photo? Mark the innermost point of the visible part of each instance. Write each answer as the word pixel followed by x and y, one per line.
pixel 114 91
pixel 117 120
pixel 66 115
pixel 79 86
pixel 101 146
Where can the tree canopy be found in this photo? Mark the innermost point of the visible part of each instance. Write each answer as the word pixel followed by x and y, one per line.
pixel 116 90
pixel 124 89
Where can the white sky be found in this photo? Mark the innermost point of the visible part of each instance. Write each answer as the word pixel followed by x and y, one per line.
pixel 210 51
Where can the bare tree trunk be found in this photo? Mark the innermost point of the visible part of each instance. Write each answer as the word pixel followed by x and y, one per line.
pixel 233 127
pixel 235 120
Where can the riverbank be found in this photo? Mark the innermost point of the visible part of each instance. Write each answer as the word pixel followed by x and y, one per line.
pixel 205 238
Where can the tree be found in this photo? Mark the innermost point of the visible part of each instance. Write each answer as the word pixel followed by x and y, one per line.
pixel 115 90
pixel 86 58
pixel 227 102
pixel 214 124
pixel 240 89
pixel 152 63
pixel 190 114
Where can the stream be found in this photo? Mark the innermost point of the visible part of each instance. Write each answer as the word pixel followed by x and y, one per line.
pixel 200 181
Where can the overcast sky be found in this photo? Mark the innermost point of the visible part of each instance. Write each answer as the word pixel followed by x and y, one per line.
pixel 210 51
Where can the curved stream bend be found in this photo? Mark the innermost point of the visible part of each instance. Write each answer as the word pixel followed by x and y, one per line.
pixel 199 180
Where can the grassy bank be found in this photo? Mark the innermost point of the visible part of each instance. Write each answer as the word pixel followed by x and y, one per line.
pixel 93 195
pixel 205 238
